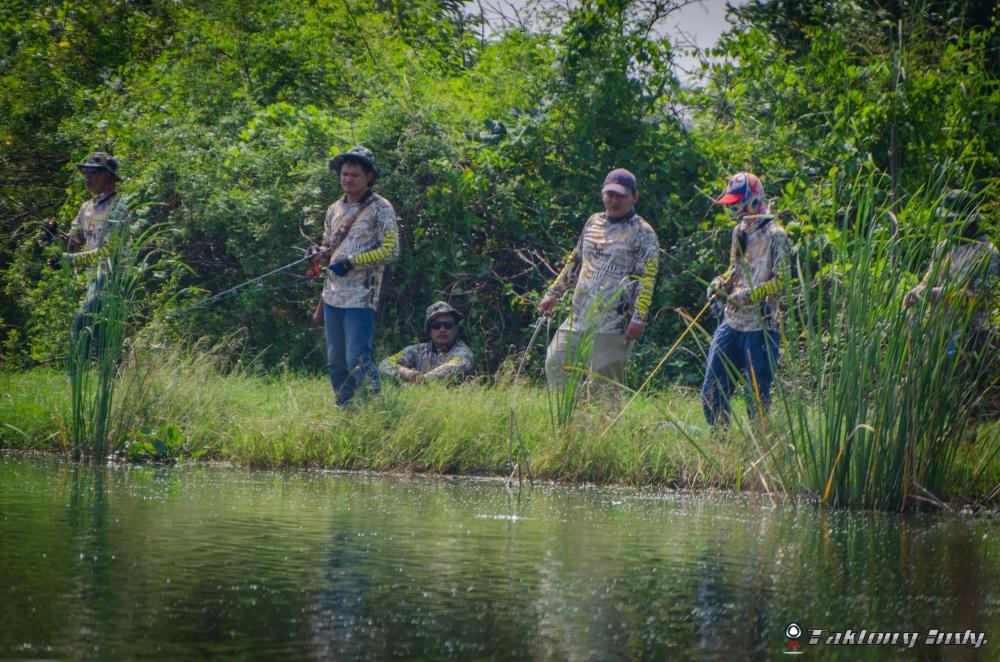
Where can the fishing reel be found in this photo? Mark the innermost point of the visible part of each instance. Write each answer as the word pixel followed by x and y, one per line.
pixel 315 255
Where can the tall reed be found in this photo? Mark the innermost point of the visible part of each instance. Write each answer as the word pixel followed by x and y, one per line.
pixel 97 351
pixel 875 404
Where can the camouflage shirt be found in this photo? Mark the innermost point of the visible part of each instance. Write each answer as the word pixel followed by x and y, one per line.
pixel 974 265
pixel 456 363
pixel 372 243
pixel 99 219
pixel 613 268
pixel 757 272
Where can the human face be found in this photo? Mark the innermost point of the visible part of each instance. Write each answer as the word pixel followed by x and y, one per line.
pixel 442 337
pixel 97 180
pixel 616 204
pixel 354 180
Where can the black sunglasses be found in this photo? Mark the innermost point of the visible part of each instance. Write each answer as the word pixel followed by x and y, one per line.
pixel 442 324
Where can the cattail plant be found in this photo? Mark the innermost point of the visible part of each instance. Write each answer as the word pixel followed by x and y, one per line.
pixel 876 396
pixel 97 349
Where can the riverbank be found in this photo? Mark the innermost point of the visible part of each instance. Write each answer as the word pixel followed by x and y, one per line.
pixel 189 409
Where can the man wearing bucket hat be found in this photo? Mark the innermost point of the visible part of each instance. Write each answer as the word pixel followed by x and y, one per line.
pixel 100 222
pixel 612 271
pixel 747 340
pixel 360 236
pixel 964 271
pixel 443 358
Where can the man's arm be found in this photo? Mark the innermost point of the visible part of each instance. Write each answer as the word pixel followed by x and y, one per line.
pixel 75 237
pixel 566 280
pixel 399 363
pixel 458 366
pixel 779 268
pixel 117 220
pixel 935 265
pixel 722 286
pixel 388 248
pixel 647 264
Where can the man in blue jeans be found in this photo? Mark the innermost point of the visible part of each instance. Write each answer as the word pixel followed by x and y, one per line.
pixel 361 236
pixel 745 345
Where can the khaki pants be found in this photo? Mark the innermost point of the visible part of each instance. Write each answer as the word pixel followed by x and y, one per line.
pixel 608 359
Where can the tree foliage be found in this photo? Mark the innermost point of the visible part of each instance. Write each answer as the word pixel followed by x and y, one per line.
pixel 493 141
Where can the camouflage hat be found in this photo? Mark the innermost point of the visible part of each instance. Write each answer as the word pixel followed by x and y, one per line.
pixel 439 308
pixel 101 161
pixel 358 153
pixel 957 205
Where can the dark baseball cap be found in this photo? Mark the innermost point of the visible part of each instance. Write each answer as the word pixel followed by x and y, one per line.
pixel 621 181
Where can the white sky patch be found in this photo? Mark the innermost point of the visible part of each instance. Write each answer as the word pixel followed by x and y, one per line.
pixel 696 24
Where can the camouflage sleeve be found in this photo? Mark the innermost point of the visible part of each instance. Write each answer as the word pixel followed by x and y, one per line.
pixel 779 268
pixel 934 269
pixel 75 229
pixel 569 275
pixel 331 214
pixel 647 264
pixel 388 248
pixel 459 365
pixel 405 358
pixel 986 282
pixel 115 240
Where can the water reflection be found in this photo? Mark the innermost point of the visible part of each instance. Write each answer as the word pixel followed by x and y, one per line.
pixel 145 562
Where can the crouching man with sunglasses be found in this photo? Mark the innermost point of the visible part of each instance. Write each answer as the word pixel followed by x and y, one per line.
pixel 444 358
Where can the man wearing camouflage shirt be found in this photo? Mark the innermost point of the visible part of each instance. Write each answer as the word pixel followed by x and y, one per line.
pixel 444 358
pixel 747 341
pixel 361 236
pixel 100 223
pixel 968 265
pixel 613 270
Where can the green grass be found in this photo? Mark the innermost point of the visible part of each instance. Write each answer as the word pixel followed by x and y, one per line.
pixel 288 420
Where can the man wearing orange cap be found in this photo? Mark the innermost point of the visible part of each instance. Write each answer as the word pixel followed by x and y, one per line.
pixel 612 271
pixel 746 343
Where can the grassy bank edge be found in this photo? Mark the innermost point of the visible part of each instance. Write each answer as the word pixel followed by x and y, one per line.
pixel 286 420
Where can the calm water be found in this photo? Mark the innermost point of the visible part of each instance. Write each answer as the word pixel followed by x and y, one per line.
pixel 207 562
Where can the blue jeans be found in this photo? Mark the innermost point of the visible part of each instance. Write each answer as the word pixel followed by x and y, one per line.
pixel 349 349
pixel 752 354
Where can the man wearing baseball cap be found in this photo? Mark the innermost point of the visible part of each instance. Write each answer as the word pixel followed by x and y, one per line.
pixel 612 271
pixel 747 340
pixel 445 358
pixel 360 236
pixel 100 222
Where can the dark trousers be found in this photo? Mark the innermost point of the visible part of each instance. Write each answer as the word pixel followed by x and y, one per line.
pixel 86 320
pixel 752 354
pixel 349 349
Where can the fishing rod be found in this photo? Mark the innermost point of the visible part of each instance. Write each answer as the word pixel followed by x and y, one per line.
pixel 308 257
pixel 680 339
pixel 512 419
